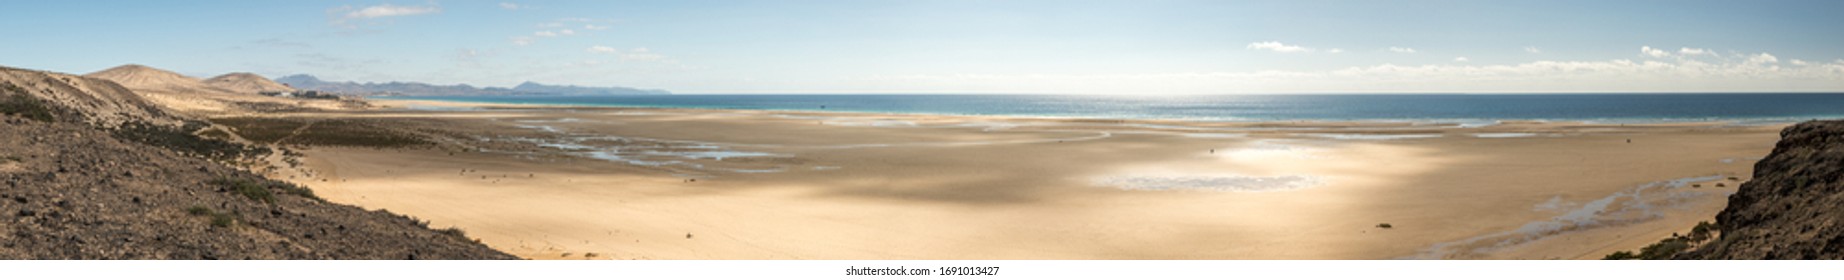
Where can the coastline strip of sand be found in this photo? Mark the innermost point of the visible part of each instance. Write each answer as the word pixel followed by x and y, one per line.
pixel 553 182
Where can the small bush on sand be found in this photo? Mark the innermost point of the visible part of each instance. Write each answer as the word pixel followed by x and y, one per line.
pixel 453 232
pixel 457 234
pixel 198 210
pixel 1664 249
pixel 1703 231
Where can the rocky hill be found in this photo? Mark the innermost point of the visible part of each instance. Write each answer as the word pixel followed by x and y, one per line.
pixel 1794 206
pixel 92 101
pixel 142 78
pixel 246 83
pixel 85 173
pixel 229 94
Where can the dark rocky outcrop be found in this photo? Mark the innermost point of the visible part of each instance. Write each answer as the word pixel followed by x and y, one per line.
pixel 1794 206
pixel 90 170
pixel 69 191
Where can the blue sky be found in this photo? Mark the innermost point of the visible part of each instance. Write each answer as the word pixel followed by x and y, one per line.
pixel 950 46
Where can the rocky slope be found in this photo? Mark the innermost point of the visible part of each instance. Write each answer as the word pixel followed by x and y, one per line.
pixel 73 186
pixel 1794 206
pixel 72 192
pixel 93 101
pixel 246 83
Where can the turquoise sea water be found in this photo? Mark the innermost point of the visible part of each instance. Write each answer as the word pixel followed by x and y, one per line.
pixel 1739 107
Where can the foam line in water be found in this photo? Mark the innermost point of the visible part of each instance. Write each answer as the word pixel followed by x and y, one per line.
pixel 1640 205
pixel 1505 135
pixel 1225 183
pixel 1348 136
pixel 544 128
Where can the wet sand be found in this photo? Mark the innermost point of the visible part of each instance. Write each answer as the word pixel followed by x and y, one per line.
pixel 560 183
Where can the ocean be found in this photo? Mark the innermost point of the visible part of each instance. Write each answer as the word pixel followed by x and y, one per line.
pixel 1609 108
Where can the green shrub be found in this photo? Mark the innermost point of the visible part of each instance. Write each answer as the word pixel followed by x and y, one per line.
pixel 330 132
pixel 1621 255
pixel 180 140
pixel 1702 231
pixel 1664 249
pixel 246 188
pixel 198 210
pixel 25 106
pixel 297 190
pixel 222 219
pixel 453 232
pixel 218 219
pixel 214 134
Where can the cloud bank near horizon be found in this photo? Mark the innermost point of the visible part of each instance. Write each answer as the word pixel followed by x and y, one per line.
pixel 1656 70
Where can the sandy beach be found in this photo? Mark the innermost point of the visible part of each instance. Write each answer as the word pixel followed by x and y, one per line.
pixel 625 183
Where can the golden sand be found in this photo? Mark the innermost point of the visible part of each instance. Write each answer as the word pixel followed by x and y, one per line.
pixel 803 185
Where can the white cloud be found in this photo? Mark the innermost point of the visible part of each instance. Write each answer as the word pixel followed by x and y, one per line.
pixel 636 54
pixel 509 6
pixel 1763 58
pixel 388 10
pixel 1797 62
pixel 1460 59
pixel 1742 73
pixel 554 28
pixel 1401 50
pixel 1335 50
pixel 1648 50
pixel 641 54
pixel 1691 51
pixel 521 40
pixel 1277 47
pixel 1532 49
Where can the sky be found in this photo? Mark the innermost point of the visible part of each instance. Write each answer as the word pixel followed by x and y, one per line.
pixel 964 46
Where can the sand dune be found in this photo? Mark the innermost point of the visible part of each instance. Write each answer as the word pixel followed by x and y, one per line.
pixel 247 83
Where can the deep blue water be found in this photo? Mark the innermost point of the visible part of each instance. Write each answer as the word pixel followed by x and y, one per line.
pixel 1749 107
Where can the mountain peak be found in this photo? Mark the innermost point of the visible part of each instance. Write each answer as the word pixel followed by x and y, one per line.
pixel 245 82
pixel 136 76
pixel 136 71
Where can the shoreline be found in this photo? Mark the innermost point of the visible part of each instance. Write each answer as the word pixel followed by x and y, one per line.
pixel 1463 122
pixel 803 185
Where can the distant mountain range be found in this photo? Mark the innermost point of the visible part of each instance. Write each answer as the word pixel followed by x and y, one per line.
pixel 307 82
